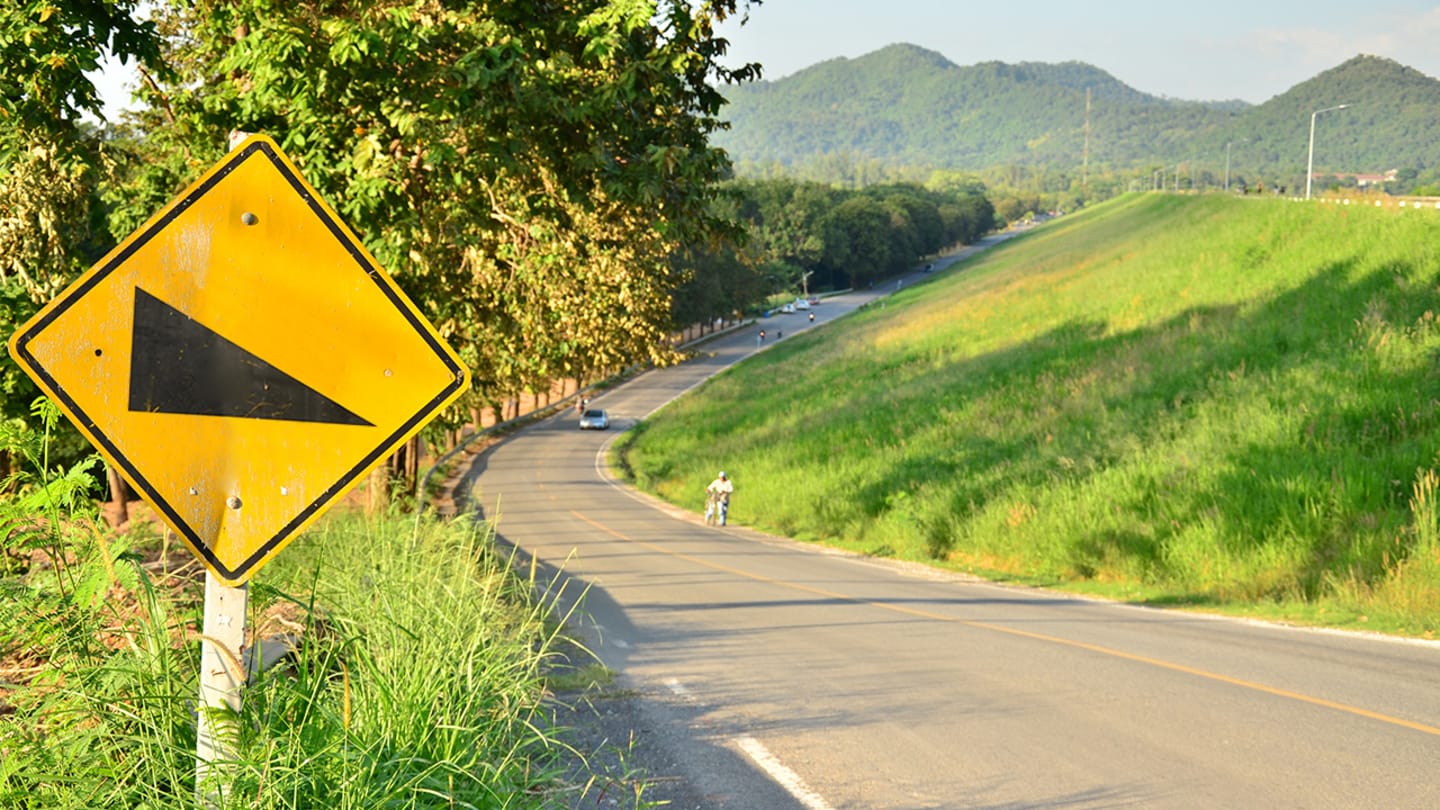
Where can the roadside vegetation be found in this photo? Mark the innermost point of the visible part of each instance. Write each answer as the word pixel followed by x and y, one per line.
pixel 1209 401
pixel 419 677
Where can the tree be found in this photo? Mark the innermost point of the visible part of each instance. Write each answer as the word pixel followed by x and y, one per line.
pixel 802 228
pixel 525 171
pixel 785 220
pixel 52 162
pixel 857 239
pixel 966 218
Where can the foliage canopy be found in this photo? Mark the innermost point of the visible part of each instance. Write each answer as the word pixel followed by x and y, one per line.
pixel 526 178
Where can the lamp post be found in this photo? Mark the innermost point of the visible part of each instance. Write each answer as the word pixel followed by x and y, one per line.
pixel 1310 163
pixel 1227 160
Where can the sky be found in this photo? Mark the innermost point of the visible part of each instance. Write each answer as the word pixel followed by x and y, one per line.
pixel 1204 50
pixel 1210 50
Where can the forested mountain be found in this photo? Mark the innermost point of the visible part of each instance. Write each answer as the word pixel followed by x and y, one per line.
pixel 904 105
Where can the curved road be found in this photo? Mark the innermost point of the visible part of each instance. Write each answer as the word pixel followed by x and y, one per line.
pixel 776 675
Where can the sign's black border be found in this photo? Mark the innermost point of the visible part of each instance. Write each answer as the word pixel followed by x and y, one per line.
pixel 233 161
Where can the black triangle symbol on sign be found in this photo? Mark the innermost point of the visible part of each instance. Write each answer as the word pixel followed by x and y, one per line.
pixel 178 365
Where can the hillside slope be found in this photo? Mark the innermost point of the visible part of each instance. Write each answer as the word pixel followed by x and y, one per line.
pixel 906 105
pixel 1201 399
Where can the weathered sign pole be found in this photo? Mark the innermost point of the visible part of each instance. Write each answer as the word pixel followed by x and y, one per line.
pixel 222 683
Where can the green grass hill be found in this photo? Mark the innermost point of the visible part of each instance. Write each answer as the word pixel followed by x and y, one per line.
pixel 1205 400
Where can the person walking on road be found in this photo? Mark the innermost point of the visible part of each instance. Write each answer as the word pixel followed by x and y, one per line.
pixel 719 494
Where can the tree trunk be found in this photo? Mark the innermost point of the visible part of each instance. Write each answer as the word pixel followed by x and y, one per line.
pixel 411 473
pixel 378 489
pixel 402 482
pixel 119 509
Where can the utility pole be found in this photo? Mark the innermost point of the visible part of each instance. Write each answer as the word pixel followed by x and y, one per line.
pixel 1085 165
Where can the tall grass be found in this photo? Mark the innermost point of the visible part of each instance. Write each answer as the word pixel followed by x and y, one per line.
pixel 1189 399
pixel 421 683
pixel 418 682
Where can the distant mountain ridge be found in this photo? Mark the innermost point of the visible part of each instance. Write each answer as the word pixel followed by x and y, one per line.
pixel 909 105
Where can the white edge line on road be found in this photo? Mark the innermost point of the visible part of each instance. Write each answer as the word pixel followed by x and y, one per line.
pixel 761 756
pixel 786 778
pixel 919 571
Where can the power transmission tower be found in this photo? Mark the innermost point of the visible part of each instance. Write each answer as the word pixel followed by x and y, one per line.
pixel 1085 165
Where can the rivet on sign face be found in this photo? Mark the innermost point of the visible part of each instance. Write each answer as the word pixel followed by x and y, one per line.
pixel 249 218
pixel 233 502
pixel 389 373
pixel 284 490
pixel 194 491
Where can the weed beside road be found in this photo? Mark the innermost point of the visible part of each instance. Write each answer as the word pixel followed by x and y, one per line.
pixel 419 679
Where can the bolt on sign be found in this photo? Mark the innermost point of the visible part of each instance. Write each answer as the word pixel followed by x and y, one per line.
pixel 241 359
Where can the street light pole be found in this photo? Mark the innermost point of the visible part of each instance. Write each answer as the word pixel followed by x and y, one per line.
pixel 1310 163
pixel 1227 167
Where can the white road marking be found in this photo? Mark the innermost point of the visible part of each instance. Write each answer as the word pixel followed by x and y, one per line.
pixel 786 778
pixel 761 756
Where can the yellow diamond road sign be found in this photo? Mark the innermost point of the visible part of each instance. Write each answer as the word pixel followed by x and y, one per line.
pixel 241 359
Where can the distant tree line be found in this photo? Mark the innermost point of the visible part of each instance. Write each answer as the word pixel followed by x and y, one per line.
pixel 807 236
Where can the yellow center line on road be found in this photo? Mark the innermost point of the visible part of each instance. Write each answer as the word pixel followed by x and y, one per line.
pixel 1095 648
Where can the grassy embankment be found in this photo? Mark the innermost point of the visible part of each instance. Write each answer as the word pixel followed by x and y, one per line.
pixel 1231 403
pixel 420 680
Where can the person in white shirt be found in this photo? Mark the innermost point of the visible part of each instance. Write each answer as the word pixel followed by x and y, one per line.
pixel 719 497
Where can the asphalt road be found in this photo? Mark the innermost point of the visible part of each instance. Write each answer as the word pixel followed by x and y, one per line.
pixel 773 675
